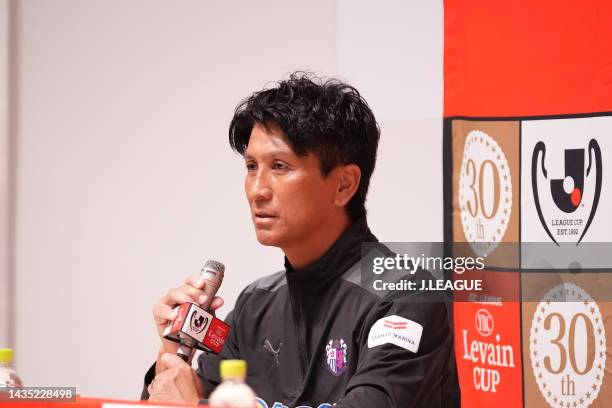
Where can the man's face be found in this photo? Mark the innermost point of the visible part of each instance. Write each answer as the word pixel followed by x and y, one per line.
pixel 290 200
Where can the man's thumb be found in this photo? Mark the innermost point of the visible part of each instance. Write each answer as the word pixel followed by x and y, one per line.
pixel 169 360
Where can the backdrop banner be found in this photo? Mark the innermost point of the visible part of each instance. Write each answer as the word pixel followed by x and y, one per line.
pixel 528 160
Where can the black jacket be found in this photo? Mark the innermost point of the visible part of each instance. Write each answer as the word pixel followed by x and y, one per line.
pixel 304 335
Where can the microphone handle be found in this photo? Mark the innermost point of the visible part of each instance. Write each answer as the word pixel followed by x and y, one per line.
pixel 185 353
pixel 210 289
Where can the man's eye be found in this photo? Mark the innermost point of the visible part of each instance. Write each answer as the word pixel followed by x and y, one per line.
pixel 251 166
pixel 279 166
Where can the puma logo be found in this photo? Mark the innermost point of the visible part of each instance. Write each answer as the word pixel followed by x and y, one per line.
pixel 270 349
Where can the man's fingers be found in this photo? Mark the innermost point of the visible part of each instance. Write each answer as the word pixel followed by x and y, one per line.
pixel 178 296
pixel 194 377
pixel 216 303
pixel 163 387
pixel 175 297
pixel 185 294
pixel 170 361
pixel 191 291
pixel 162 313
pixel 177 382
pixel 195 281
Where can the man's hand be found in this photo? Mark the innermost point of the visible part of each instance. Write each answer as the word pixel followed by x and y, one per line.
pixel 176 382
pixel 163 311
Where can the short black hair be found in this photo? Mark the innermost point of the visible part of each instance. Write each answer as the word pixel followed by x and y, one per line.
pixel 326 117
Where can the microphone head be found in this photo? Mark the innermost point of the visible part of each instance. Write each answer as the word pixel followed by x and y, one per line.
pixel 214 265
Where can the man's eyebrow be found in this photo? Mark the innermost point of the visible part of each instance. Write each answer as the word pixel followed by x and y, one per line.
pixel 270 153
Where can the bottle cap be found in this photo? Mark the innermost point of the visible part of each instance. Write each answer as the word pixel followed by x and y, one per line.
pixel 233 369
pixel 6 355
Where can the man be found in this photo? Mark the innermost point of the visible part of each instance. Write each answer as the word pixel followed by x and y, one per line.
pixel 310 148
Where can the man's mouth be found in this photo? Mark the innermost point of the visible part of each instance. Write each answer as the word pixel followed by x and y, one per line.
pixel 263 215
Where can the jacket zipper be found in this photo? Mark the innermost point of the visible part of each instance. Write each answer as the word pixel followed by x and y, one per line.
pixel 299 328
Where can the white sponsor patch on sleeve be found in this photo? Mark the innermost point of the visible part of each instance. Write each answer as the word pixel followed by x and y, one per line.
pixel 396 330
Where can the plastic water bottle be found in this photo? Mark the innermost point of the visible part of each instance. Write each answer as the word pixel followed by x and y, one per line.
pixel 233 392
pixel 8 376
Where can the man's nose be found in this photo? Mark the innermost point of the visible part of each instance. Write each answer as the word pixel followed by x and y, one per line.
pixel 259 188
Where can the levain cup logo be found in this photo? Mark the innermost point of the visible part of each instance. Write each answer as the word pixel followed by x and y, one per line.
pixel 483 320
pixel 567 347
pixel 485 192
pixel 567 191
pixel 489 356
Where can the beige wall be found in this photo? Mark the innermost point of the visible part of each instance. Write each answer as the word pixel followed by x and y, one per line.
pixel 126 181
pixel 392 52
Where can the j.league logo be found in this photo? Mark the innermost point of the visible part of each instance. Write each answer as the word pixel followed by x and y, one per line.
pixel 568 192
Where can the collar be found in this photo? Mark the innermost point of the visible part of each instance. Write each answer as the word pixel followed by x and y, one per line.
pixel 343 254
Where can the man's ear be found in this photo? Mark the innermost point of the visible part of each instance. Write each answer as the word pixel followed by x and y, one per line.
pixel 349 177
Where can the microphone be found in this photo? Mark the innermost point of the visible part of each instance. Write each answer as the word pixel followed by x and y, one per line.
pixel 194 326
pixel 212 273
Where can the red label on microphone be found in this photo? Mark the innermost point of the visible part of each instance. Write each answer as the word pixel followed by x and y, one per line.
pixel 180 317
pixel 216 335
